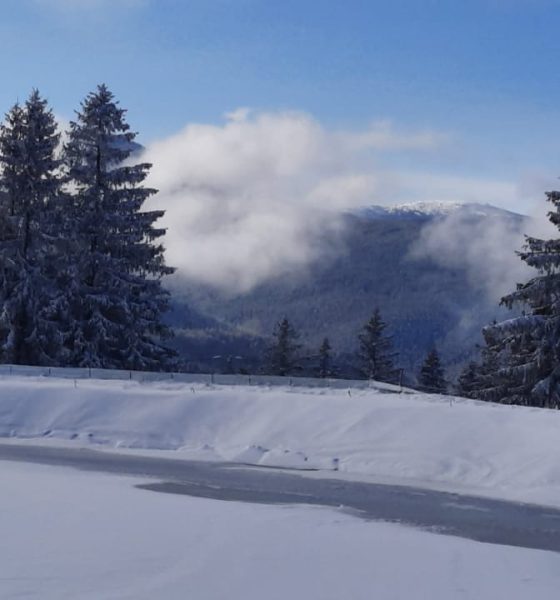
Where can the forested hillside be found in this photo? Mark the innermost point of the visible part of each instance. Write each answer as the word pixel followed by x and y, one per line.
pixel 422 302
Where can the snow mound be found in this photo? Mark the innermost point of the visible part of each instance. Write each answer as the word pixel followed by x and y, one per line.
pixel 416 439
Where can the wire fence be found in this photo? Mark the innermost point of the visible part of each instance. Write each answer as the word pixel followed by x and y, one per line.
pixel 199 378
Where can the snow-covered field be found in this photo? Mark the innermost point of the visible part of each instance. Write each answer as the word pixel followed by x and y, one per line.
pixel 68 534
pixel 466 446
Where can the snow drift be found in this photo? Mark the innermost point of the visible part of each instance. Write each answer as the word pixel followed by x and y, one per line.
pixel 464 445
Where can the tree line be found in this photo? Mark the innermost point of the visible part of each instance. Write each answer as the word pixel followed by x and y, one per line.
pixel 81 262
pixel 374 358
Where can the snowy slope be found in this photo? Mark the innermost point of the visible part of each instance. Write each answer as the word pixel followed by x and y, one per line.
pixel 509 452
pixel 70 535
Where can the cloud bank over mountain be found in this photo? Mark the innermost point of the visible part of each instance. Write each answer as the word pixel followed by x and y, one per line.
pixel 485 248
pixel 253 197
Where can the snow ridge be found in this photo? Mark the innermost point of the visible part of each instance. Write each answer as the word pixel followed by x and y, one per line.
pixel 427 210
pixel 413 439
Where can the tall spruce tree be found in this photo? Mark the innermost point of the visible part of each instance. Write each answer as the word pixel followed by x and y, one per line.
pixel 115 299
pixel 12 158
pixel 282 354
pixel 30 185
pixel 432 376
pixel 526 349
pixel 375 352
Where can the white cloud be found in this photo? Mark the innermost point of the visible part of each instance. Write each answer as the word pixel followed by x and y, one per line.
pixel 486 249
pixel 237 197
pixel 239 114
pixel 262 194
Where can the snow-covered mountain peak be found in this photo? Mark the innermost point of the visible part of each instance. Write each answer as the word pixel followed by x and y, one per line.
pixel 428 210
pixel 425 208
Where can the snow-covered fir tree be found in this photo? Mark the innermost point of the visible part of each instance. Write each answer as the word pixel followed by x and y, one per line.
pixel 30 185
pixel 282 356
pixel 526 349
pixel 115 297
pixel 432 375
pixel 375 352
pixel 468 381
pixel 494 380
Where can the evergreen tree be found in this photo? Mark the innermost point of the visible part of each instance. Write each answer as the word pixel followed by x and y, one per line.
pixel 115 297
pixel 325 361
pixel 527 347
pixel 13 156
pixel 493 383
pixel 282 355
pixel 375 352
pixel 30 183
pixel 468 381
pixel 432 376
pixel 15 270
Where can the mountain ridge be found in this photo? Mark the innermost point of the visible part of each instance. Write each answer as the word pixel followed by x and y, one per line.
pixel 429 210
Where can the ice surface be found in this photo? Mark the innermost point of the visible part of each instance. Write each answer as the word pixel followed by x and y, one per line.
pixel 67 534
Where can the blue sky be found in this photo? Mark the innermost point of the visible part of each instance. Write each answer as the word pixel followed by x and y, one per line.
pixel 484 72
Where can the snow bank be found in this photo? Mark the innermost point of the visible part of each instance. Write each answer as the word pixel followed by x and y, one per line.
pixel 468 446
pixel 68 534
